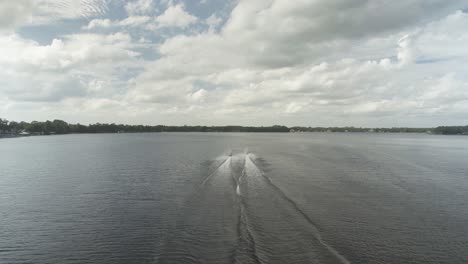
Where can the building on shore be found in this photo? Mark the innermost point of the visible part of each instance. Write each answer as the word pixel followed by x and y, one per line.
pixel 24 133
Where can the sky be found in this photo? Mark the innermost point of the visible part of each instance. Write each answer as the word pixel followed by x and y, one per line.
pixel 372 63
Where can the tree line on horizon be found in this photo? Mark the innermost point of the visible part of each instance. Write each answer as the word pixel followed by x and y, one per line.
pixel 61 127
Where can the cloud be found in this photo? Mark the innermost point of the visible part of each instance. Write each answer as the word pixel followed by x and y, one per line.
pixel 69 9
pixel 197 96
pixel 175 16
pixel 48 90
pixel 14 13
pixel 405 53
pixel 140 7
pixel 99 23
pixel 334 19
pixel 28 12
pixel 131 21
pixel 444 39
pixel 213 22
pixel 134 21
pixel 67 53
pixel 258 63
pixel 76 65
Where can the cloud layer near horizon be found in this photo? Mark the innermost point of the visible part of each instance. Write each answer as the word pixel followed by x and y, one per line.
pixel 318 63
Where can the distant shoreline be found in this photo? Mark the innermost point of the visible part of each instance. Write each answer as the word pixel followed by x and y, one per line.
pixel 223 132
pixel 34 128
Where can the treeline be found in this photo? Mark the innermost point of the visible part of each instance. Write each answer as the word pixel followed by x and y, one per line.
pixel 443 130
pixel 62 127
pixel 362 129
pixel 451 130
pixel 12 128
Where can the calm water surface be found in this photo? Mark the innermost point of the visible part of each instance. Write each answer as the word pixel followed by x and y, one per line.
pixel 234 198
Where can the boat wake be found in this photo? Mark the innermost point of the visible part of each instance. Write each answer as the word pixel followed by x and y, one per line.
pixel 239 215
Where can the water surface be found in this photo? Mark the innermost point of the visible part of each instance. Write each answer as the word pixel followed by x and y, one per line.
pixel 234 198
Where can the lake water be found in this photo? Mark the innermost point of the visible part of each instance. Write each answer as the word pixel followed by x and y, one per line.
pixel 234 198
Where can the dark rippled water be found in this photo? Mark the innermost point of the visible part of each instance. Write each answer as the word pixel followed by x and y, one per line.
pixel 234 198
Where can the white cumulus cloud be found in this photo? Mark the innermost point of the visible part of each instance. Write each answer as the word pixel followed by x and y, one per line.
pixel 175 16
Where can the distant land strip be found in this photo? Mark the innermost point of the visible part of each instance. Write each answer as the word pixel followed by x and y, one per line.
pixel 13 129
